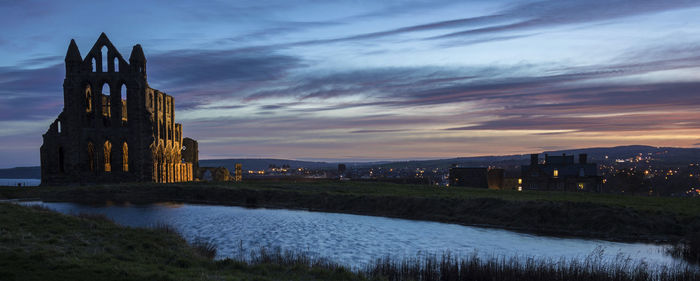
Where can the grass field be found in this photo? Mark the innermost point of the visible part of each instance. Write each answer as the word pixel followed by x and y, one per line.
pixel 604 216
pixel 681 206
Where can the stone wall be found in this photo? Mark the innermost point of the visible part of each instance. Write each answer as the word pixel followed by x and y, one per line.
pixel 114 127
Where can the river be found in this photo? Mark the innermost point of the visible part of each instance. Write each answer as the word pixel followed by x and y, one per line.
pixel 355 240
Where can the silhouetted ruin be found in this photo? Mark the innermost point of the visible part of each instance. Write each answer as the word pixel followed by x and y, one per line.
pixel 114 127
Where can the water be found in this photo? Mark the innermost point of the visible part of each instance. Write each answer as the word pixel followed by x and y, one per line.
pixel 24 182
pixel 355 240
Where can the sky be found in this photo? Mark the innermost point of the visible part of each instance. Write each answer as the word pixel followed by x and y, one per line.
pixel 374 80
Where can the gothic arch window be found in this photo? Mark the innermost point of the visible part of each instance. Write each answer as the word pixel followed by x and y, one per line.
pixel 106 101
pixel 125 157
pixel 116 64
pixel 58 126
pixel 88 99
pixel 91 156
pixel 61 160
pixel 108 156
pixel 105 89
pixel 103 53
pixel 122 91
pixel 94 65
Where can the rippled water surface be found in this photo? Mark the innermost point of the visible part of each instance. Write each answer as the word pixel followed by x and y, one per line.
pixel 353 239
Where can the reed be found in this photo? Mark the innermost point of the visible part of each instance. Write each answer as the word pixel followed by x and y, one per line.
pixel 204 248
pixel 688 249
pixel 448 267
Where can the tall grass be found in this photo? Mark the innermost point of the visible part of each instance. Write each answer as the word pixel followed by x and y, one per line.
pixel 688 249
pixel 94 217
pixel 204 248
pixel 447 267
pixel 281 257
pixel 165 228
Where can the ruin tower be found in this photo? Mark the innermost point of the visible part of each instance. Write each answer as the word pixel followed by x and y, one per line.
pixel 113 127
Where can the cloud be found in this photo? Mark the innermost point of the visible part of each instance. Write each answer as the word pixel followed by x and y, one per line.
pixel 562 87
pixel 200 77
pixel 553 13
pixel 628 122
pixel 376 131
pixel 30 93
pixel 200 67
pixel 279 28
pixel 530 16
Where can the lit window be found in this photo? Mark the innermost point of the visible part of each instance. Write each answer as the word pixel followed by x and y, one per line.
pixel 108 156
pixel 125 157
pixel 555 173
pixel 581 185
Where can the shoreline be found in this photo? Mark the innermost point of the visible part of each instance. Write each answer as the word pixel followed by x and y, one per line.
pixel 538 217
pixel 545 233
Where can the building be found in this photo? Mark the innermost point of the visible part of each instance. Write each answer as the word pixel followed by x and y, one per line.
pixel 561 173
pixel 476 177
pixel 114 127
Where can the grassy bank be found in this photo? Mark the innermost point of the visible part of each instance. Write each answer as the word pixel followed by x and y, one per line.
pixel 605 216
pixel 37 244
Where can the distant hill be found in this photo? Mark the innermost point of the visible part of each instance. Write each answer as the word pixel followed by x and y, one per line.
pixel 262 164
pixel 666 155
pixel 21 173
pixel 671 156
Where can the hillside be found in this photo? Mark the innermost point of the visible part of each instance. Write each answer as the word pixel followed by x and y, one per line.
pixel 21 173
pixel 672 156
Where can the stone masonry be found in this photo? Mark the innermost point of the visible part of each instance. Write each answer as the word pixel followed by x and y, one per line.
pixel 114 127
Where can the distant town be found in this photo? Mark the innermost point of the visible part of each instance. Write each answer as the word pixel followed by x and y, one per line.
pixel 641 170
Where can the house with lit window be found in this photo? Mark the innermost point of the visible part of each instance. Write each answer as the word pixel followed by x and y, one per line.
pixel 561 173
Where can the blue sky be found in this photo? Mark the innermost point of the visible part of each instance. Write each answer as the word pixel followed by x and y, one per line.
pixel 369 80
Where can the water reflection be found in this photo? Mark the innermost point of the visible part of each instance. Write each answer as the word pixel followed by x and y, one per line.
pixel 355 240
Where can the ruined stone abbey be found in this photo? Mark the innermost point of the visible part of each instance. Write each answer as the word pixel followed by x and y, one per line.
pixel 114 127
